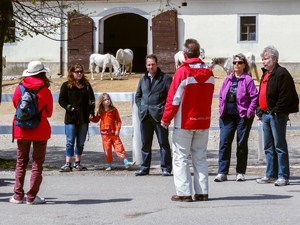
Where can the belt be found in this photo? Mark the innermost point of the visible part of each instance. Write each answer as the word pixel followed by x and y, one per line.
pixel 267 112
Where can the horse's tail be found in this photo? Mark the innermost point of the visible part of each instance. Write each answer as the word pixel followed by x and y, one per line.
pixel 92 59
pixel 118 54
pixel 92 63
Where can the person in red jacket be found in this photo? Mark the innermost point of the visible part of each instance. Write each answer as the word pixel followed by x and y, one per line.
pixel 34 77
pixel 110 126
pixel 189 102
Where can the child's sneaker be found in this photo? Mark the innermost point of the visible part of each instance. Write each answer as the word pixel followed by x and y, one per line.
pixel 108 167
pixel 129 164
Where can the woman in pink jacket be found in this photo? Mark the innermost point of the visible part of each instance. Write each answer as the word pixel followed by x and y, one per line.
pixel 237 102
pixel 34 78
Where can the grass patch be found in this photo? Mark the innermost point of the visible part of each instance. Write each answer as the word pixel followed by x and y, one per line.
pixel 7 164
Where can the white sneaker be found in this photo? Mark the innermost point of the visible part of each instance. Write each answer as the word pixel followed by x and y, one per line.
pixel 281 182
pixel 37 201
pixel 108 168
pixel 13 200
pixel 220 177
pixel 240 177
pixel 265 180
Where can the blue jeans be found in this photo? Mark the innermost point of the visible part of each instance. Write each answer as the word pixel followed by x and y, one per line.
pixel 78 133
pixel 148 127
pixel 228 125
pixel 276 149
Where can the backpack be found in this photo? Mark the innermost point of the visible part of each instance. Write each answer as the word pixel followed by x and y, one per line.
pixel 27 114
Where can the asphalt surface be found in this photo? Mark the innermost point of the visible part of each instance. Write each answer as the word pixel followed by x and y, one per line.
pixel 95 198
pixel 118 197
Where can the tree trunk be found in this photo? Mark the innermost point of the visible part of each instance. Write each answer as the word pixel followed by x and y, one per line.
pixel 6 14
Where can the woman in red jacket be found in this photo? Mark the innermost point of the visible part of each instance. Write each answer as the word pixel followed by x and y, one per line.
pixel 110 126
pixel 34 78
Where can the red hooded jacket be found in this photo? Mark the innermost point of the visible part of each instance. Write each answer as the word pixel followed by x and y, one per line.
pixel 43 131
pixel 190 96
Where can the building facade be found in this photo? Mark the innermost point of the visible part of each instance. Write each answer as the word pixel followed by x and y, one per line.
pixel 223 28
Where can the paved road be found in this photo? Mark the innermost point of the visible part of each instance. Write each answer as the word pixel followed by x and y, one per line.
pixel 97 198
pixel 118 197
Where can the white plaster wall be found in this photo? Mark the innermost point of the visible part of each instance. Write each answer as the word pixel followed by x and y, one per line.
pixel 212 22
pixel 284 33
pixel 36 48
pixel 215 25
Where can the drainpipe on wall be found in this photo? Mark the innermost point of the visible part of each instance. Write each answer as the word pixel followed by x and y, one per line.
pixel 61 53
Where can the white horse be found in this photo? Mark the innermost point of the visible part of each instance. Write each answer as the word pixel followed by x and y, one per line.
pixel 4 61
pixel 103 61
pixel 125 58
pixel 180 57
pixel 226 64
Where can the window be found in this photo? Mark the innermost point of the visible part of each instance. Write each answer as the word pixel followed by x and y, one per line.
pixel 248 28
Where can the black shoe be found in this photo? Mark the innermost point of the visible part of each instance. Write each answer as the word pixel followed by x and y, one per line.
pixel 79 167
pixel 166 173
pixel 141 173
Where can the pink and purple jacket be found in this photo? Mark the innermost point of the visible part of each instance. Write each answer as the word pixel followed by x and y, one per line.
pixel 246 95
pixel 190 96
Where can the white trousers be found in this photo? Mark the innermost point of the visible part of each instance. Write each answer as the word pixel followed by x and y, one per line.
pixel 194 143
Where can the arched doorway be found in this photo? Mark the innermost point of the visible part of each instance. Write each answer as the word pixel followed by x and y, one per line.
pixel 127 30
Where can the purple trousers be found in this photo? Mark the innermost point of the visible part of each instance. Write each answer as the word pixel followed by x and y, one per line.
pixel 38 158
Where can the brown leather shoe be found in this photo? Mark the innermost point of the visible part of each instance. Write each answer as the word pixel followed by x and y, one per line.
pixel 200 197
pixel 177 198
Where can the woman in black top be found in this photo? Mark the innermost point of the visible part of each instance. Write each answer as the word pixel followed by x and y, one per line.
pixel 77 98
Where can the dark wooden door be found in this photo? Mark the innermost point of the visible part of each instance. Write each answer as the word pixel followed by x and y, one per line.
pixel 80 39
pixel 165 39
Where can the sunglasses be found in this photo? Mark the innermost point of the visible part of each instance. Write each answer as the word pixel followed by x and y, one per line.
pixel 78 71
pixel 238 62
pixel 107 99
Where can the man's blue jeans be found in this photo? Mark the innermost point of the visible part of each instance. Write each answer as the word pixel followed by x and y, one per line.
pixel 78 133
pixel 276 149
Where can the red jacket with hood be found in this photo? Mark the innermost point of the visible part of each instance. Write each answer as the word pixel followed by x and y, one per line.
pixel 190 96
pixel 43 131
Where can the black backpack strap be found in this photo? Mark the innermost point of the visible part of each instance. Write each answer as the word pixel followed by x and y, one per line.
pixel 36 91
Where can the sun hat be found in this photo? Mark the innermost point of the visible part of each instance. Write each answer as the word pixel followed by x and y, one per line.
pixel 34 68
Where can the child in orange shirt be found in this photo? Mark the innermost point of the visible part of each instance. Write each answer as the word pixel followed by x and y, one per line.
pixel 110 125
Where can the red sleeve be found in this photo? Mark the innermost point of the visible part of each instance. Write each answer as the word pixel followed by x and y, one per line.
pixel 118 120
pixel 95 119
pixel 16 96
pixel 45 99
pixel 49 106
pixel 172 103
